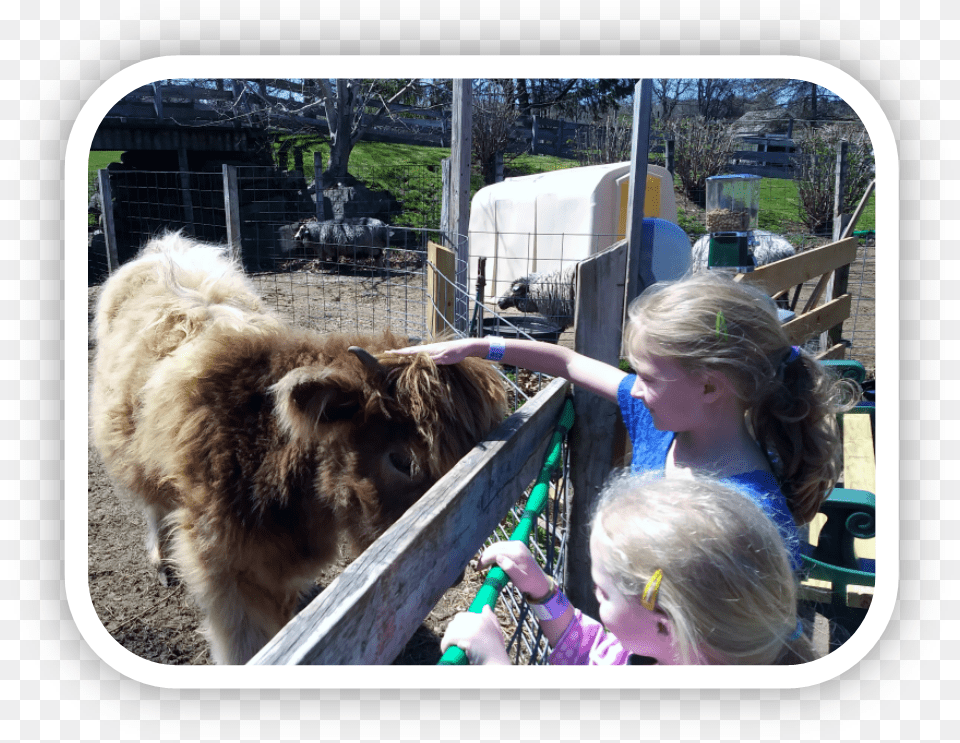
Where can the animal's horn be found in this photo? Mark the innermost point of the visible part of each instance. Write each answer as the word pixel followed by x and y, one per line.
pixel 368 360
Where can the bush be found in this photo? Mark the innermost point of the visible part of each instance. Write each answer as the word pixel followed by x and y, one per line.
pixel 817 173
pixel 701 150
pixel 610 142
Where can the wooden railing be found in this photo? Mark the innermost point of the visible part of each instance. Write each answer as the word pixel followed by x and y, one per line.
pixel 787 278
pixel 374 607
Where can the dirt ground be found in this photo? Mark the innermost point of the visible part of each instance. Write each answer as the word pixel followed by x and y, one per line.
pixel 159 623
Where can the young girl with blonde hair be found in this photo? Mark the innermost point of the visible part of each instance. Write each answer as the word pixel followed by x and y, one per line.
pixel 718 389
pixel 726 596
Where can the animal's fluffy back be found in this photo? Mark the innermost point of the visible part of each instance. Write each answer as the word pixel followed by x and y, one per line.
pixel 175 275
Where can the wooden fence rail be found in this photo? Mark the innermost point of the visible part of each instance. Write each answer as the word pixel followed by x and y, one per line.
pixel 374 607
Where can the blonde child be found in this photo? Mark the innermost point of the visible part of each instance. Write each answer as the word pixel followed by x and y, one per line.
pixel 726 596
pixel 718 390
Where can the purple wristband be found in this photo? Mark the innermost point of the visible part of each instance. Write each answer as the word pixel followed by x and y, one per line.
pixel 552 607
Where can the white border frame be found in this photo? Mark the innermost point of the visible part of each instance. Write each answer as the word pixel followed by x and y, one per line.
pixel 700 677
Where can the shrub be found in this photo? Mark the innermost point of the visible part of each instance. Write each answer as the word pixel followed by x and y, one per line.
pixel 701 149
pixel 817 172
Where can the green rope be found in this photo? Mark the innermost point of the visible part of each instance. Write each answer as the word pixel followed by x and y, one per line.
pixel 496 579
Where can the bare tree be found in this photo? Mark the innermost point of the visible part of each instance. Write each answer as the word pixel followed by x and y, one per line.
pixel 609 142
pixel 494 122
pixel 718 98
pixel 668 92
pixel 347 102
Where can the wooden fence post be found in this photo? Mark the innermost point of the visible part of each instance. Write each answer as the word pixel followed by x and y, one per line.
pixel 320 185
pixel 837 284
pixel 460 148
pixel 108 224
pixel 231 208
pixel 445 196
pixel 639 270
pixel 598 432
pixel 185 187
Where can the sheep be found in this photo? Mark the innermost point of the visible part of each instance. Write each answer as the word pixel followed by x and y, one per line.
pixel 766 247
pixel 287 237
pixel 549 294
pixel 255 448
pixel 360 237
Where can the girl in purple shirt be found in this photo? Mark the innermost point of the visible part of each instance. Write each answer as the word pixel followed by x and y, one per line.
pixel 726 597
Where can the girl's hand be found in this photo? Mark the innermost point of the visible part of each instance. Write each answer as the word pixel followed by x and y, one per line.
pixel 479 636
pixel 515 559
pixel 447 352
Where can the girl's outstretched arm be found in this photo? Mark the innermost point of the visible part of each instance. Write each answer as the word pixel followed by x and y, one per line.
pixel 596 376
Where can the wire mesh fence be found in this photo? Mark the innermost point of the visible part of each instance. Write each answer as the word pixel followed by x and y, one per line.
pixel 525 643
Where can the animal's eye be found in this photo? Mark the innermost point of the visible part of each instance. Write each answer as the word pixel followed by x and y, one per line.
pixel 402 463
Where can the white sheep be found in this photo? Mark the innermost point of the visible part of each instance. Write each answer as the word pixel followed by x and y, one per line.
pixel 549 294
pixel 766 247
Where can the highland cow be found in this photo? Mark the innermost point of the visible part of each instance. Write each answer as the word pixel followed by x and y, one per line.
pixel 254 447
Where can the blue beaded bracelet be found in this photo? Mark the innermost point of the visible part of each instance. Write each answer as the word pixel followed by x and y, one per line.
pixel 497 347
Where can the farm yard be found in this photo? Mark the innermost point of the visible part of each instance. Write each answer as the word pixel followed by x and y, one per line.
pixel 159 623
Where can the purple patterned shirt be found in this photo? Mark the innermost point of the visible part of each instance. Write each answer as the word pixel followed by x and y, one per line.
pixel 587 643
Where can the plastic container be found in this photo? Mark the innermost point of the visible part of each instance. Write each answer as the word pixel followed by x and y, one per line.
pixel 733 203
pixel 530 328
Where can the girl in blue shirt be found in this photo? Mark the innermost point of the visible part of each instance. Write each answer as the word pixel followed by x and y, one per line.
pixel 717 390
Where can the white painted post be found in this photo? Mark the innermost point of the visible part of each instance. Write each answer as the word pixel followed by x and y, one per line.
pixel 231 208
pixel 108 223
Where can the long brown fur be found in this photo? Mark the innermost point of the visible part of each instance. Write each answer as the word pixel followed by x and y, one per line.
pixel 254 446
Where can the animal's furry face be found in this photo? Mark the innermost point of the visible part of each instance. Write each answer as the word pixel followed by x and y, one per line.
pixel 518 296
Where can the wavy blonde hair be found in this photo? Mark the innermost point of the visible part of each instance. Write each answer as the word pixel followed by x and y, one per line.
pixel 707 322
pixel 727 587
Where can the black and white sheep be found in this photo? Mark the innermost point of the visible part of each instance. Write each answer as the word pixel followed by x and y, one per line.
pixel 549 294
pixel 358 237
pixel 766 247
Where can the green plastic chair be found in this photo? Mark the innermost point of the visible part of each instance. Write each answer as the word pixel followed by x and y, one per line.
pixel 851 514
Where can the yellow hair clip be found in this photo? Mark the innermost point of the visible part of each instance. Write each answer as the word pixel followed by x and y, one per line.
pixel 648 599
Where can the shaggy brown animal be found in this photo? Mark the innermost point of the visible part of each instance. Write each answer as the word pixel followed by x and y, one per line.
pixel 254 446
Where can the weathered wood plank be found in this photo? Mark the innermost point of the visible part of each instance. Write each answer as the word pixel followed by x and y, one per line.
pixel 441 291
pixel 595 433
pixel 372 609
pixel 780 275
pixel 833 353
pixel 107 220
pixel 859 464
pixel 801 328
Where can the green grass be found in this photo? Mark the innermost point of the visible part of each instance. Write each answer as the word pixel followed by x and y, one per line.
pixel 413 174
pixel 98 160
pixel 779 210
